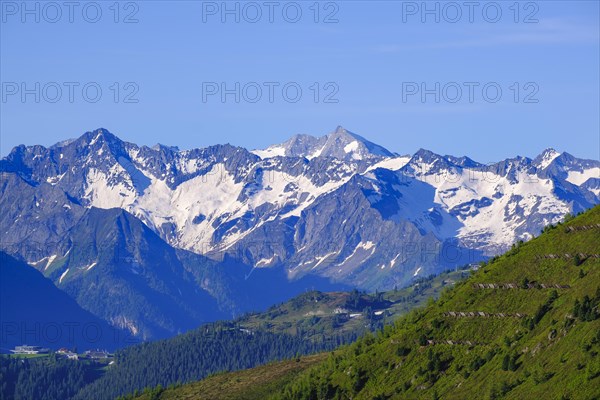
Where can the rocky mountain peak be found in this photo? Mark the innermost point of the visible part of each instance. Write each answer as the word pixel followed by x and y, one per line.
pixel 341 144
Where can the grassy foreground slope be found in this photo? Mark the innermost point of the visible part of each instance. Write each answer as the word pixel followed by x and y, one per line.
pixel 255 383
pixel 517 336
pixel 528 342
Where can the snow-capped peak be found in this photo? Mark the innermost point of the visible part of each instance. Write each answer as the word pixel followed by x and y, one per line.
pixel 297 146
pixel 545 159
pixel 341 144
pixel 345 145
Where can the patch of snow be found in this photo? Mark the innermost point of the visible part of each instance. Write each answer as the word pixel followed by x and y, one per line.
pixel 320 259
pixel 110 190
pixel 417 271
pixel 270 152
pixel 50 261
pixel 316 154
pixel 92 265
pixel 580 177
pixel 350 147
pixel 187 165
pixel 368 245
pixel 361 246
pixel 264 262
pixel 393 163
pixel 95 139
pixel 36 263
pixel 63 275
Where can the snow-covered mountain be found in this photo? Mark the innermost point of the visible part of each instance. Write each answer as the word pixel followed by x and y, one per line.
pixel 341 144
pixel 336 206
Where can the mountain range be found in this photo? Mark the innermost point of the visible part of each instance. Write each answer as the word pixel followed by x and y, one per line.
pixel 158 240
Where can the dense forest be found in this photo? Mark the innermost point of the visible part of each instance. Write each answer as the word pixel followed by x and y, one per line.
pixel 194 355
pixel 46 378
pixel 189 357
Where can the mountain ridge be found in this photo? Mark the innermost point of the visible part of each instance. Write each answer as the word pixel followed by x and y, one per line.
pixel 100 170
pixel 231 222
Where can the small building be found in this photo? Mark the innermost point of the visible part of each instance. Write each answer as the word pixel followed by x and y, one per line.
pixel 97 354
pixel 25 349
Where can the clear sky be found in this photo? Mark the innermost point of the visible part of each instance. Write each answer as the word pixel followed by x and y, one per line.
pixel 372 57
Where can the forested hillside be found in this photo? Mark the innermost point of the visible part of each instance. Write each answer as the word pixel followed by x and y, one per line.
pixel 193 356
pixel 44 378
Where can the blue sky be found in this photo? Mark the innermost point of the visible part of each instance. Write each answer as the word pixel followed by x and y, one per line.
pixel 370 58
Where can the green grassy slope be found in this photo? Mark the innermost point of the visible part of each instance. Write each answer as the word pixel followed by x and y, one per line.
pixel 255 383
pixel 551 353
pixel 550 350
